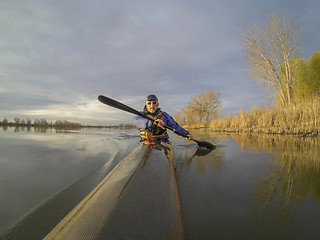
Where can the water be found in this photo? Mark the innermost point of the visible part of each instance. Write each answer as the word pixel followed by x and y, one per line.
pixel 44 175
pixel 249 187
pixel 253 187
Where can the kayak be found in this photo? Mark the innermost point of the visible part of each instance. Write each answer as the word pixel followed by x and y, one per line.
pixel 138 199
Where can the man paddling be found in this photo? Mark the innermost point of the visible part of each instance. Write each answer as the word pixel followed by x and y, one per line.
pixel 156 129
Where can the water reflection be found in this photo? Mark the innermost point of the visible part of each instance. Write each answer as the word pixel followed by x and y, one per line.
pixel 260 186
pixel 17 129
pixel 249 187
pixel 207 158
pixel 37 166
pixel 297 173
pixel 204 159
pixel 295 178
pixel 281 191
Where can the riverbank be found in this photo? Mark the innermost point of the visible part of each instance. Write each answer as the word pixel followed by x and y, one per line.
pixel 302 118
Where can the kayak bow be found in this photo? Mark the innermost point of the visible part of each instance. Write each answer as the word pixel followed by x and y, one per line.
pixel 138 199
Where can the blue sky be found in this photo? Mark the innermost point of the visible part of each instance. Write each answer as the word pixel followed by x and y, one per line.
pixel 58 56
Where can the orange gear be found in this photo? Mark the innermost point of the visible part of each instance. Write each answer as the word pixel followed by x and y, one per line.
pixel 149 136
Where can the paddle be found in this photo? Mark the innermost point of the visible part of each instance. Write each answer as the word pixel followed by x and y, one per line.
pixel 121 106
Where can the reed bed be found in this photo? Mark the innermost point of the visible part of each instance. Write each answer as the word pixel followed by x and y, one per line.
pixel 302 118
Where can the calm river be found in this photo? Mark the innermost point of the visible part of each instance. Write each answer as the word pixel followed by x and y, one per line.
pixel 249 187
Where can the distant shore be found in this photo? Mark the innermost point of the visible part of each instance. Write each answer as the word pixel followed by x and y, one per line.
pixel 63 126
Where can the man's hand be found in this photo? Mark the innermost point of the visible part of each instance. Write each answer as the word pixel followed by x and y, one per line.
pixel 160 123
pixel 189 137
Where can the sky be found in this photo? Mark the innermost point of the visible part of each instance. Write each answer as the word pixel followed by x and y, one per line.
pixel 58 56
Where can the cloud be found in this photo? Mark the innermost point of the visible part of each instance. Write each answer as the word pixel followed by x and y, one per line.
pixel 57 57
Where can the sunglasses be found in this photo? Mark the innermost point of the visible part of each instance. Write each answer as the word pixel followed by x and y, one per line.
pixel 154 103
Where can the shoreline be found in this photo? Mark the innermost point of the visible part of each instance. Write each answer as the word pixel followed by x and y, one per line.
pixel 299 119
pixel 300 132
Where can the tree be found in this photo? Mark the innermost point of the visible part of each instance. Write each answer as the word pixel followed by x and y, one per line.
pixel 190 113
pixel 314 72
pixel 307 75
pixel 269 50
pixel 28 122
pixel 301 75
pixel 180 117
pixel 5 121
pixel 204 106
pixel 16 120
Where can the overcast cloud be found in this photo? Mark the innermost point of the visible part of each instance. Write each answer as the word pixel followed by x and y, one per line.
pixel 58 56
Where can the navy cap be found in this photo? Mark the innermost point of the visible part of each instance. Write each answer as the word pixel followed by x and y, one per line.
pixel 152 97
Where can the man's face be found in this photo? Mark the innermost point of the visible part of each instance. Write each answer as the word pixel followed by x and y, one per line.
pixel 152 105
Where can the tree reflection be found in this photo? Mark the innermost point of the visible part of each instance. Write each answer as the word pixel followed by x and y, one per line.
pixel 39 129
pixel 296 174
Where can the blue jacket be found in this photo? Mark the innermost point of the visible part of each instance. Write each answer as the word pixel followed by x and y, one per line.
pixel 143 123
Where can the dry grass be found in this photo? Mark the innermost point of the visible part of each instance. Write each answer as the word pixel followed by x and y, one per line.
pixel 301 118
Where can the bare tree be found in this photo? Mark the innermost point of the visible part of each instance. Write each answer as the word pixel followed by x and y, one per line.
pixel 180 117
pixel 269 50
pixel 205 106
pixel 191 114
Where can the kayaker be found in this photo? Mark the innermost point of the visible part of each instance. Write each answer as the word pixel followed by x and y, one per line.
pixel 156 129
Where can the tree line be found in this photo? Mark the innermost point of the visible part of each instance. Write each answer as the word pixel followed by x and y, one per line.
pixel 40 123
pixel 43 123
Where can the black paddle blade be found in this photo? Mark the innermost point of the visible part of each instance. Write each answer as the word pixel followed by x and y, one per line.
pixel 205 144
pixel 113 103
